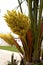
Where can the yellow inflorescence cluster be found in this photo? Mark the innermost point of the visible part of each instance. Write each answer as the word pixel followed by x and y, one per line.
pixel 18 22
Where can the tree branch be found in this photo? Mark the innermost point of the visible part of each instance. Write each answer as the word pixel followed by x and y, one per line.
pixel 20 6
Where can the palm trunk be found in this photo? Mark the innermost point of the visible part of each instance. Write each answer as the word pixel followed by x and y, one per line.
pixel 35 26
pixel 37 47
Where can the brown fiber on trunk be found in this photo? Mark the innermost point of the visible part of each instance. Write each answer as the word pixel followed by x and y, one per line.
pixel 29 43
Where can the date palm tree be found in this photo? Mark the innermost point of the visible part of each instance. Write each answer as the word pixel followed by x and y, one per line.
pixel 28 28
